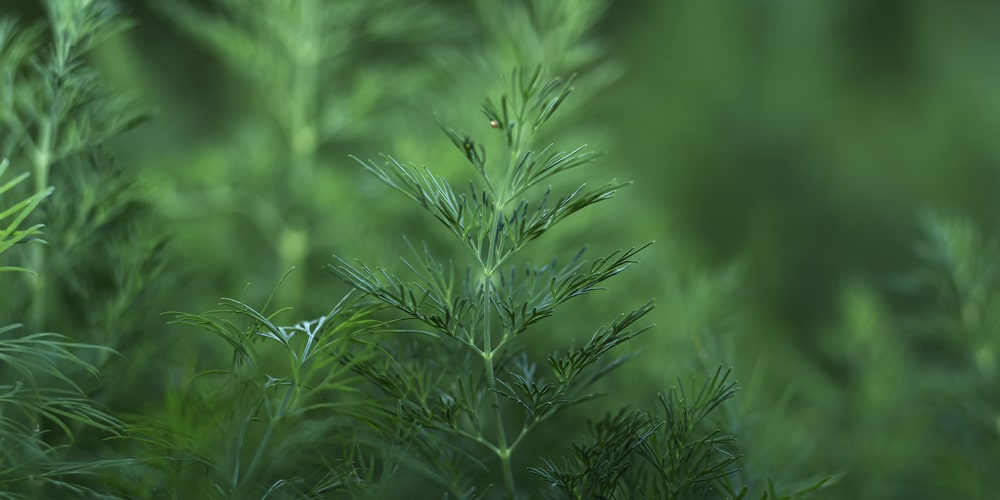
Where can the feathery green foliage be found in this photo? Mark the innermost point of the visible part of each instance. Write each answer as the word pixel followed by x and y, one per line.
pixel 667 455
pixel 276 423
pixel 780 192
pixel 311 81
pixel 55 107
pixel 478 389
pixel 306 82
pixel 964 271
pixel 41 396
pixel 55 112
pixel 39 389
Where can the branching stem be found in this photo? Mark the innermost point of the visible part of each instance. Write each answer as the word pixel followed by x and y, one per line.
pixel 493 262
pixel 272 422
pixel 502 449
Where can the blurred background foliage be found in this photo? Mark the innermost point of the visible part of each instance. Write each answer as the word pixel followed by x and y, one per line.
pixel 819 178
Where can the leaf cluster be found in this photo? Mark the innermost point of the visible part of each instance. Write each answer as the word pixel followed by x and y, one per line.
pixel 288 50
pixel 955 339
pixel 290 390
pixel 56 115
pixel 432 370
pixel 459 374
pixel 41 390
pixel 55 105
pixel 55 112
pixel 671 454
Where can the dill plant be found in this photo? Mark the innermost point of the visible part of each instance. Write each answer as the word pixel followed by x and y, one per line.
pixel 961 269
pixel 456 374
pixel 301 83
pixel 90 278
pixel 345 404
pixel 315 75
pixel 278 422
pixel 39 385
pixel 99 274
pixel 916 359
pixel 921 357
pixel 55 107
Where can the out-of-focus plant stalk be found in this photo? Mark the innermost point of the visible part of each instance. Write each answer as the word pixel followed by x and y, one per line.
pixel 42 160
pixel 301 127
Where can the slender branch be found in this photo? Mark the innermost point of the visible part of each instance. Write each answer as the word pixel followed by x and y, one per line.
pixel 42 162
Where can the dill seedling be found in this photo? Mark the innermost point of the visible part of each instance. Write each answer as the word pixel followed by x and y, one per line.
pixel 461 376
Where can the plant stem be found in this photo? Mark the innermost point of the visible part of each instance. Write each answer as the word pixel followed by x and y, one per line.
pixel 503 450
pixel 492 262
pixel 42 162
pixel 301 136
pixel 265 441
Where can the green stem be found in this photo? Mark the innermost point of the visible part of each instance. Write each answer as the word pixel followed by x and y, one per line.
pixel 492 263
pixel 42 162
pixel 266 439
pixel 301 130
pixel 503 450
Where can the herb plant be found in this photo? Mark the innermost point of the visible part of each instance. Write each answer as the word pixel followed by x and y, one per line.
pixel 455 374
pixel 40 392
pixel 961 270
pixel 314 78
pixel 950 337
pixel 294 86
pixel 97 274
pixel 277 422
pixel 459 376
pixel 84 279
pixel 55 108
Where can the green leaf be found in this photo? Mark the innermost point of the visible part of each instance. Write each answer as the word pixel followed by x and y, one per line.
pixel 13 216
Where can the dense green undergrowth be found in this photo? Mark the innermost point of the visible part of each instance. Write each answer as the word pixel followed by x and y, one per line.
pixel 465 317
